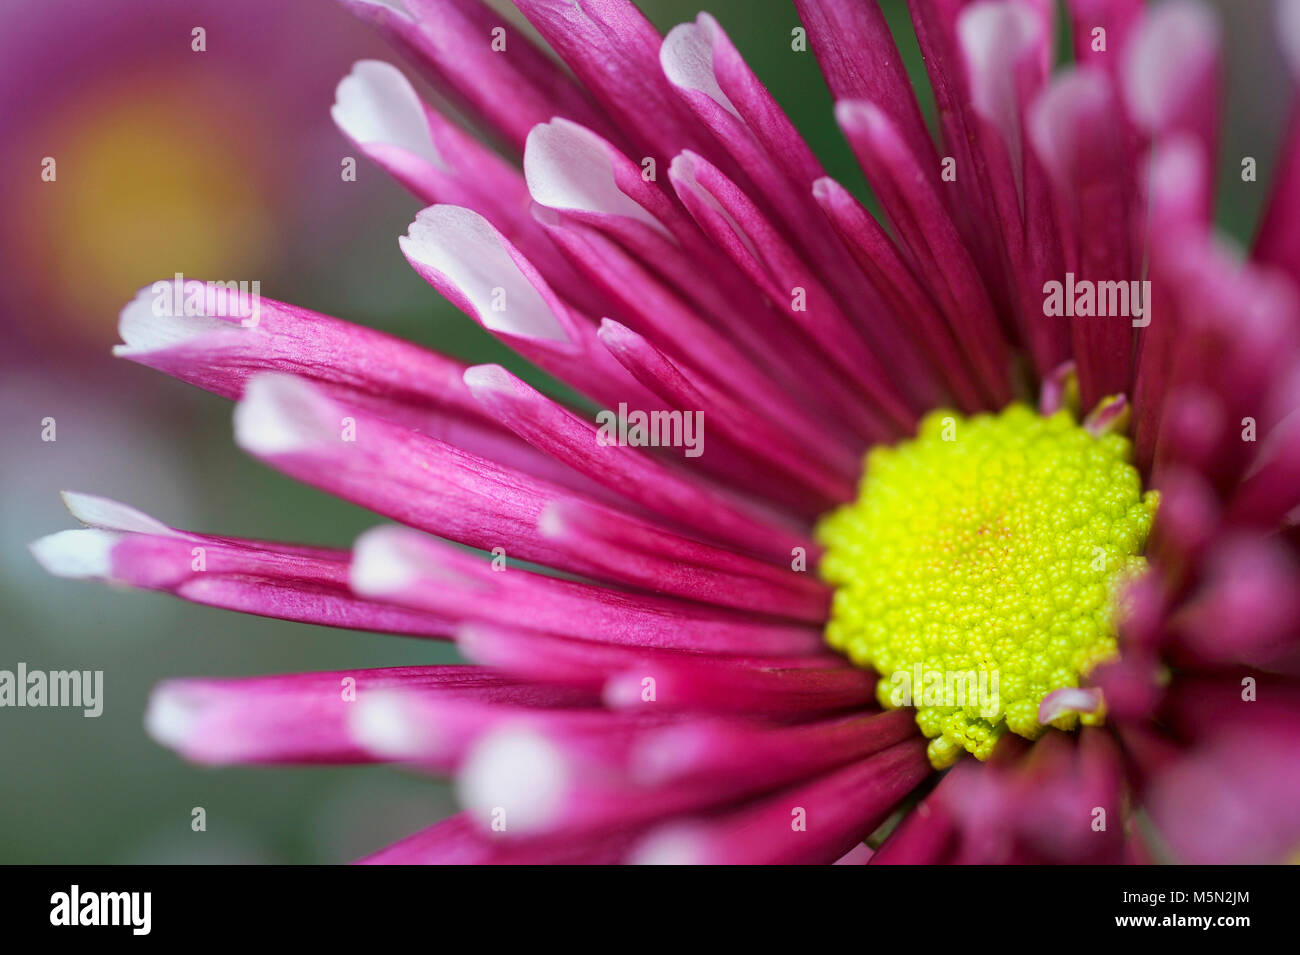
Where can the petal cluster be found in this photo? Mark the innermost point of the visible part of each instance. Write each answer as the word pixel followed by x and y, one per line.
pixel 647 679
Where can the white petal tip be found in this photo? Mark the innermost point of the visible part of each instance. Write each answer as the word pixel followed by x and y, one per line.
pixel 376 105
pixel 550 522
pixel 623 691
pixel 106 514
pixel 384 562
pixel 170 716
pixel 383 723
pixel 471 262
pixel 76 553
pixel 518 775
pixel 674 845
pixel 280 414
pixel 568 167
pixel 161 316
pixel 686 56
pixel 488 379
pixel 1069 700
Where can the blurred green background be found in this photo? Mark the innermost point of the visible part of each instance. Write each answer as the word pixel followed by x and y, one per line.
pixel 225 165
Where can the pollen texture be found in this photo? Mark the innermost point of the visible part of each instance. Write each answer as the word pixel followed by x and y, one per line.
pixel 977 570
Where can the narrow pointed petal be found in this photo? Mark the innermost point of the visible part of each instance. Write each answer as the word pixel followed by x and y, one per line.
pixel 772 686
pixel 295 718
pixel 614 51
pixel 399 473
pixel 700 61
pixel 459 841
pixel 925 228
pixel 837 811
pixel 396 380
pixel 711 352
pixel 289 582
pixel 1096 195
pixel 417 571
pixel 590 788
pixel 500 77
pixel 1171 73
pixel 645 481
pixel 460 254
pixel 585 179
pixel 735 422
pixel 637 553
pixel 860 61
pixel 714 753
pixel 732 219
pixel 436 732
pixel 880 260
pixel 435 487
pixel 378 109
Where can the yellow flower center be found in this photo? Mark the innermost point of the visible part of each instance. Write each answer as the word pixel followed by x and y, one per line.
pixel 977 570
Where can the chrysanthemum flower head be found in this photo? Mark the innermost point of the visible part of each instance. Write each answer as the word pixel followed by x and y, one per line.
pixel 1030 436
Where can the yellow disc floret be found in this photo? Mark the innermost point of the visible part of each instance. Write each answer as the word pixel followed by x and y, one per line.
pixel 977 570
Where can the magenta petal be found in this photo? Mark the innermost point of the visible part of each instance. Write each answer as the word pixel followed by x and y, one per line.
pixel 1232 800
pixel 860 61
pixel 459 253
pixel 717 753
pixel 757 246
pixel 734 421
pixel 381 113
pixel 882 263
pixel 289 582
pixel 636 678
pixel 452 43
pixel 633 552
pixel 1171 73
pixel 1087 157
pixel 547 779
pixel 671 492
pixel 1117 18
pixel 1248 607
pixel 296 718
pixel 710 352
pixel 714 80
pixel 928 232
pixel 1069 699
pixel 413 570
pixel 459 841
pixel 614 50
pixel 438 731
pixel 1278 241
pixel 404 475
pixel 927 834
pixel 812 823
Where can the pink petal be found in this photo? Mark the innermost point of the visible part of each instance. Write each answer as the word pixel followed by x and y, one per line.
pixel 671 492
pixel 838 811
pixel 451 41
pixel 407 568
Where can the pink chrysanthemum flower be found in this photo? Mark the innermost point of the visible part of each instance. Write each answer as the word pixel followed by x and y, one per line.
pixel 649 626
